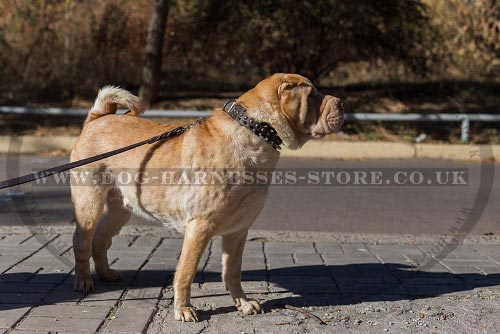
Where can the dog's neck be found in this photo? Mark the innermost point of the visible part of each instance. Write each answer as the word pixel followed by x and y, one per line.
pixel 247 148
pixel 262 110
pixel 263 130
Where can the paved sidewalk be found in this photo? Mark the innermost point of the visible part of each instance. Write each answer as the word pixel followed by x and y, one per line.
pixel 349 286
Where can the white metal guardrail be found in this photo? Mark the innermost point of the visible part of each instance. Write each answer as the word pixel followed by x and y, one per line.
pixel 463 119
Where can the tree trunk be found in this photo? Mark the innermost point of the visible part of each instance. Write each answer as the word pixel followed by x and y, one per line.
pixel 151 71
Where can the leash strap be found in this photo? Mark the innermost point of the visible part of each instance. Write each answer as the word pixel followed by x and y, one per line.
pixel 51 171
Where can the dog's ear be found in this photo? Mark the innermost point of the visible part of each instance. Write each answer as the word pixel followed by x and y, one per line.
pixel 296 105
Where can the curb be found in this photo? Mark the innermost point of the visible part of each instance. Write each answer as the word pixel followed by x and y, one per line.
pixel 316 149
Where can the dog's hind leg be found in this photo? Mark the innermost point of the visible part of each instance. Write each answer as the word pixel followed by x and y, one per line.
pixel 232 253
pixel 114 217
pixel 89 204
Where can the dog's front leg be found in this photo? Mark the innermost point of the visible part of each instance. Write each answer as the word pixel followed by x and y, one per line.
pixel 197 234
pixel 232 253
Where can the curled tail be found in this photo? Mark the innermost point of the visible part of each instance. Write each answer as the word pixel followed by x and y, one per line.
pixel 109 98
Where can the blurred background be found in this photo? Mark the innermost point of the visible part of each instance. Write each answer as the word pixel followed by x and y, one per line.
pixel 383 57
pixel 390 56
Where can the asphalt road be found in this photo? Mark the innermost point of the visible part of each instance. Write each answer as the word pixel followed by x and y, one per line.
pixel 393 209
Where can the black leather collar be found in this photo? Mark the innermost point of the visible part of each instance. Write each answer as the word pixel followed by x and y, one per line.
pixel 261 129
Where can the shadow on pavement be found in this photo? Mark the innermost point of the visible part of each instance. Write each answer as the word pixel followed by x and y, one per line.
pixel 314 285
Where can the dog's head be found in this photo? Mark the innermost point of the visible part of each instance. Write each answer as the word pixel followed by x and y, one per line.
pixel 291 104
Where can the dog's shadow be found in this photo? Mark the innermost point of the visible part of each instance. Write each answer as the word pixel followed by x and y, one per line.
pixel 315 285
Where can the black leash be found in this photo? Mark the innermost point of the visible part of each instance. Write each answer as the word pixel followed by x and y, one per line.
pixel 51 171
pixel 262 129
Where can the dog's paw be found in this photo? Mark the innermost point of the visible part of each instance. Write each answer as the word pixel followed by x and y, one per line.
pixel 186 314
pixel 83 284
pixel 249 307
pixel 109 275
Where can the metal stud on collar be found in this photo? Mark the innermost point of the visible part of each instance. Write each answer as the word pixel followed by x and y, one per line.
pixel 261 129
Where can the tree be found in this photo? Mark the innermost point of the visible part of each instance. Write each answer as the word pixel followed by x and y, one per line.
pixel 151 72
pixel 310 37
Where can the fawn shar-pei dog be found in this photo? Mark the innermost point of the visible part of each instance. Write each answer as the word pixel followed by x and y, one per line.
pixel 289 103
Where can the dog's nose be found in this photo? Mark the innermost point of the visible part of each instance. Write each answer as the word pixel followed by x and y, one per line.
pixel 341 105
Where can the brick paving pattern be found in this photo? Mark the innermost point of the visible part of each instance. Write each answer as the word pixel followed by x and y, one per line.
pixel 350 286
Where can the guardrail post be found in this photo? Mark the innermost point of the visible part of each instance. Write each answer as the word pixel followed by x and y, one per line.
pixel 464 136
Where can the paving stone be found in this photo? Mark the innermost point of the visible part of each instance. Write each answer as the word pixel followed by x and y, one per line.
pixel 120 242
pixel 307 259
pixel 280 260
pixel 350 260
pixel 102 296
pixel 433 281
pixel 253 265
pixel 145 243
pixel 464 269
pixel 25 287
pixel 130 261
pixel 253 249
pixel 170 249
pixel 54 276
pixel 212 288
pixel 303 285
pixel 207 305
pixel 291 273
pixel 354 249
pixel 131 320
pixel 430 290
pixel 64 325
pixel 373 271
pixel 298 270
pixel 289 247
pixel 460 252
pixel 154 275
pixel 490 271
pixel 20 298
pixel 11 313
pixel 370 288
pixel 17 331
pixel 254 276
pixel 13 256
pixel 488 251
pixel 329 248
pixel 77 311
pixel 37 241
pixel 18 275
pixel 14 240
pixel 142 297
pixel 24 241
pixel 64 294
pixel 254 286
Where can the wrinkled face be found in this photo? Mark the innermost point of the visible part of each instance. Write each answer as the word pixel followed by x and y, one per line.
pixel 311 114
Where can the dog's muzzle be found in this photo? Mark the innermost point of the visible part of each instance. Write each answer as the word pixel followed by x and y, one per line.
pixel 331 117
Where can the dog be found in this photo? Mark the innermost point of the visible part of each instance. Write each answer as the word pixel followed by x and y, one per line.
pixel 287 106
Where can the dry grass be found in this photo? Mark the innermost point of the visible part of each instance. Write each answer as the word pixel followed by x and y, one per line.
pixel 57 51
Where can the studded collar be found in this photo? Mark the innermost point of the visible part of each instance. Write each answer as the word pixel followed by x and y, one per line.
pixel 263 130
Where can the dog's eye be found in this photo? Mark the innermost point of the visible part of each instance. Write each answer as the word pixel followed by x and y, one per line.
pixel 313 93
